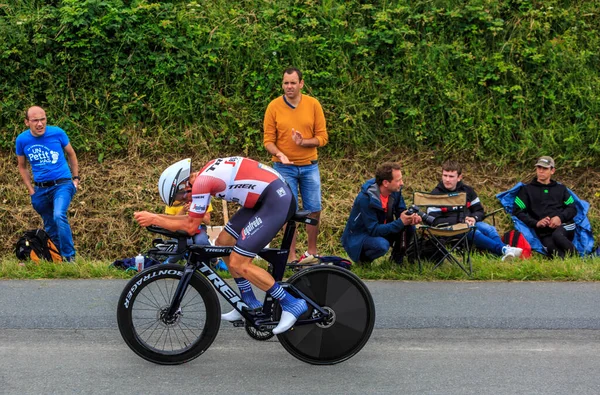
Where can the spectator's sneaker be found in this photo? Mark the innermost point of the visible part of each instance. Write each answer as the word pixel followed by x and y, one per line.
pixel 290 315
pixel 308 259
pixel 511 253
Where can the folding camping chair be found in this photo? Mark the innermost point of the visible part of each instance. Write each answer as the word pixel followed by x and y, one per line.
pixel 447 240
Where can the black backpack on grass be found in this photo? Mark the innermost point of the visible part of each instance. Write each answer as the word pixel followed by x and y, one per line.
pixel 35 244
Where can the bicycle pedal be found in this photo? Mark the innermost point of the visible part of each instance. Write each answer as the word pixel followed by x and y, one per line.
pixel 238 323
pixel 294 266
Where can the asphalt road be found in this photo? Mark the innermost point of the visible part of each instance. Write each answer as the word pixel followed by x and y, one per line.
pixel 60 336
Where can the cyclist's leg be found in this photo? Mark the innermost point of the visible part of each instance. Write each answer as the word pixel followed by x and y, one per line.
pixel 292 307
pixel 277 205
pixel 225 238
pixel 248 228
pixel 243 266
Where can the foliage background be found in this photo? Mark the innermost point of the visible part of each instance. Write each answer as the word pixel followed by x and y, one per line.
pixel 507 80
pixel 139 83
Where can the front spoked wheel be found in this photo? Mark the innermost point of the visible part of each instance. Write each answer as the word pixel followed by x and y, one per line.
pixel 351 321
pixel 151 333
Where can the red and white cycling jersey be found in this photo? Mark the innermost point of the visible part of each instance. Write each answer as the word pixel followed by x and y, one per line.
pixel 236 179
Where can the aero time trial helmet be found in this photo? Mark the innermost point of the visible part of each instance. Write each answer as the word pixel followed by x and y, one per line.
pixel 173 181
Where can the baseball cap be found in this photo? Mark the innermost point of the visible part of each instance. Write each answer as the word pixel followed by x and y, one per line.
pixel 545 161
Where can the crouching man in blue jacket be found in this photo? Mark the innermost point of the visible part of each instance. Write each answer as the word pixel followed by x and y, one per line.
pixel 378 220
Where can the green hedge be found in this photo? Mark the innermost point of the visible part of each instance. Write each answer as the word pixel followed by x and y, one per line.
pixel 504 80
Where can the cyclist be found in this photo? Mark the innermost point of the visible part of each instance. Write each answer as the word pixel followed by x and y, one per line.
pixel 267 204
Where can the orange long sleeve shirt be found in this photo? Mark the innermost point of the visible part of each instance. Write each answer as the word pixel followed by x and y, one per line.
pixel 307 118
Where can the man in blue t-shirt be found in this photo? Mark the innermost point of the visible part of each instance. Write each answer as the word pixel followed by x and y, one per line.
pixel 54 183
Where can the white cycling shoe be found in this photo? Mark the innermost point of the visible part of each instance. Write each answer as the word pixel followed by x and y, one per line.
pixel 232 316
pixel 288 319
pixel 286 322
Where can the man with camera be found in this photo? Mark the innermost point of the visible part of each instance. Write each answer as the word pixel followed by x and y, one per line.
pixel 378 219
pixel 485 236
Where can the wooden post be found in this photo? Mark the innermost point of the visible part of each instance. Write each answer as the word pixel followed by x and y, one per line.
pixel 225 212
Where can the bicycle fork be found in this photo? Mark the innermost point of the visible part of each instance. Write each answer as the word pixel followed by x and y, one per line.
pixel 174 308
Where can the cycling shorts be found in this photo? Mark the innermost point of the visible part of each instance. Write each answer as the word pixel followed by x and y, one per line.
pixel 254 228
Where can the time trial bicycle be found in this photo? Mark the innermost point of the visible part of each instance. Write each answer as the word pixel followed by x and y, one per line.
pixel 170 314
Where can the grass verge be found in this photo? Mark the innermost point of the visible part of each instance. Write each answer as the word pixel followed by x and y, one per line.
pixel 485 268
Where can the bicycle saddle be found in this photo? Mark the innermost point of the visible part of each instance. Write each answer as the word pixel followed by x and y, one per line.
pixel 303 216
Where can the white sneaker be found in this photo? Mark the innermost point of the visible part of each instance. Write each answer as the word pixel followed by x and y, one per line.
pixel 308 259
pixel 511 253
pixel 232 316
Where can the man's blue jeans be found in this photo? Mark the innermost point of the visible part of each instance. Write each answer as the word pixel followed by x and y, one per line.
pixel 200 239
pixel 378 246
pixel 308 179
pixel 486 238
pixel 373 248
pixel 52 204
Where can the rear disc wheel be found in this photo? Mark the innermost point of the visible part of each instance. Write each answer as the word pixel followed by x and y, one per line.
pixel 350 322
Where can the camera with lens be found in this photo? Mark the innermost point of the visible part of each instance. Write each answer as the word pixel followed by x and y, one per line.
pixel 427 219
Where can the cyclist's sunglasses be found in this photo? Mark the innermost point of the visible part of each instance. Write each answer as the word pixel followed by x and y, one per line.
pixel 181 196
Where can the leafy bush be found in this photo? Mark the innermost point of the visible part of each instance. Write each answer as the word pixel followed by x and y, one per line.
pixel 502 80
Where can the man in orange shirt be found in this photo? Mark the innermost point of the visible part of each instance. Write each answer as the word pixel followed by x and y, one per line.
pixel 294 126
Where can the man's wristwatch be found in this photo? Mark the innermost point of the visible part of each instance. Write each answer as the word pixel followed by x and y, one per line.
pixel 77 178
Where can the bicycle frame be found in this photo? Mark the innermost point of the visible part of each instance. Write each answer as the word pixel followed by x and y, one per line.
pixel 198 256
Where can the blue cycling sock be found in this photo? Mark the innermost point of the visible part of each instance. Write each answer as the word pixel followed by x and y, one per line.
pixel 287 301
pixel 247 293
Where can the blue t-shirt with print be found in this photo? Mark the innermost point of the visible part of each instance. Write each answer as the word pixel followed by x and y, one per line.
pixel 45 153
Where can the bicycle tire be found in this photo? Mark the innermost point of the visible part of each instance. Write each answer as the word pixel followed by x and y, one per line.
pixel 147 296
pixel 344 294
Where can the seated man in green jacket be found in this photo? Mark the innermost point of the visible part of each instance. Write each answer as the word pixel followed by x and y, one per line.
pixel 548 209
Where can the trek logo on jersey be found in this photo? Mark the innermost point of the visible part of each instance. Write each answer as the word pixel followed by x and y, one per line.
pixel 40 155
pixel 243 186
pixel 252 227
pixel 281 192
pixel 229 161
pixel 216 163
pixel 233 160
